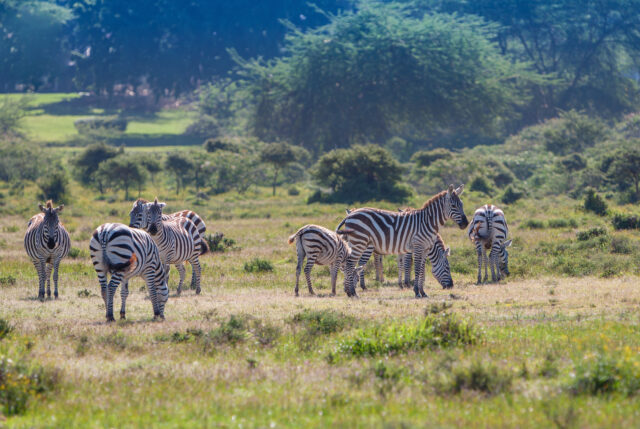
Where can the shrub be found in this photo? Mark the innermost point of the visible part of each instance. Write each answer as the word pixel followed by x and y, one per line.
pixel 534 224
pixel 622 245
pixel 511 195
pixel 7 280
pixel 596 231
pixel 562 223
pixel 440 330
pixel 573 162
pixel 55 186
pixel 548 368
pixel 594 203
pixel 232 331
pixel 424 158
pixel 573 132
pixel 625 221
pixel 605 375
pixel 5 328
pixel 258 265
pixel 74 253
pixel 215 144
pixel 218 243
pixel 322 322
pixel 480 184
pixel 480 377
pixel 293 191
pixel 21 381
pixel 102 125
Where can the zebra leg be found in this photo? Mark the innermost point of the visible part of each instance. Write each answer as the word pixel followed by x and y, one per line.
pixel 183 272
pixel 299 266
pixel 379 265
pixel 47 276
pixel 364 259
pixel 42 270
pixel 408 258
pixel 116 279
pixel 307 271
pixel 400 269
pixel 158 291
pixel 197 271
pixel 419 273
pixel 349 268
pixel 493 258
pixel 334 277
pixel 56 265
pixel 124 293
pixel 479 253
pixel 486 264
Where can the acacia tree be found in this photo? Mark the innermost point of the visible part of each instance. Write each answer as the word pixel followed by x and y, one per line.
pixel 279 155
pixel 377 70
pixel 625 169
pixel 181 166
pixel 123 173
pixel 87 164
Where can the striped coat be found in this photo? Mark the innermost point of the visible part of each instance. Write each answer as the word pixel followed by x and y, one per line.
pixel 323 247
pixel 396 233
pixel 138 218
pixel 124 253
pixel 47 242
pixel 489 230
pixel 178 240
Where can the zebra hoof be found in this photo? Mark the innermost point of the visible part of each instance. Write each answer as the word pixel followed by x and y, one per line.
pixel 122 316
pixel 158 317
pixel 198 290
pixel 110 319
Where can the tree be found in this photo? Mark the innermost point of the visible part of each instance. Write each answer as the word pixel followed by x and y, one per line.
pixel 123 173
pixel 152 165
pixel 378 70
pixel 55 186
pixel 361 173
pixel 279 155
pixel 625 168
pixel 11 113
pixel 181 166
pixel 87 164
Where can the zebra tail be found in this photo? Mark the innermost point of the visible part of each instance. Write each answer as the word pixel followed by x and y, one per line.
pixel 341 224
pixel 204 247
pixel 344 232
pixel 292 238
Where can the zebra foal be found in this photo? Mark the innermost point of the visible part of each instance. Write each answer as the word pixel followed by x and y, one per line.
pixel 396 233
pixel 489 230
pixel 47 242
pixel 323 247
pixel 124 253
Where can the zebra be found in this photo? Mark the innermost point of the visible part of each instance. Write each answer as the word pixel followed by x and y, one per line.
pixel 138 217
pixel 324 247
pixel 397 233
pixel 124 253
pixel 377 262
pixel 178 240
pixel 47 242
pixel 489 230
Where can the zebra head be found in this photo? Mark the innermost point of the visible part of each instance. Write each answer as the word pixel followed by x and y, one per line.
pixel 438 256
pixel 154 216
pixel 454 208
pixel 50 223
pixel 138 214
pixel 504 257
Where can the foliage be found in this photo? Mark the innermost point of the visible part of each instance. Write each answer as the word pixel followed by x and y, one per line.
pixel 372 71
pixel 87 164
pixel 625 221
pixel 605 375
pixel 181 166
pixel 5 328
pixel 625 168
pixel 574 162
pixel 361 173
pixel 55 186
pixel 424 158
pixel 591 233
pixel 279 155
pixel 481 377
pixel 217 242
pixel 511 194
pixel 11 113
pixel 21 161
pixel 232 331
pixel 440 330
pixel 575 132
pixel 480 184
pixel 258 265
pixel 322 322
pixel 594 203
pixel 101 126
pixel 122 172
pixel 214 144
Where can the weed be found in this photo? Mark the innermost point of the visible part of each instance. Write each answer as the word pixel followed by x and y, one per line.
pixel 562 223
pixel 480 377
pixel 258 265
pixel 596 231
pixel 548 368
pixel 322 322
pixel 21 380
pixel 5 328
pixel 116 340
pixel 232 331
pixel 83 345
pixel 605 375
pixel 84 293
pixel 218 243
pixel 74 253
pixel 8 280
pixel 11 228
pixel 534 224
pixel 436 308
pixel 265 333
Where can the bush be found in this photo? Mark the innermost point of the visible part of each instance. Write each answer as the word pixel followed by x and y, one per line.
pixel 232 331
pixel 293 191
pixel 625 221
pixel 218 243
pixel 11 113
pixel 596 231
pixel 594 203
pixel 605 375
pixel 215 144
pixel 55 186
pixel 5 328
pixel 534 224
pixel 440 330
pixel 21 381
pixel 322 322
pixel 258 265
pixel 573 162
pixel 562 223
pixel 622 245
pixel 480 377
pixel 74 253
pixel 480 184
pixel 511 195
pixel 7 280
pixel 424 158
pixel 573 132
pixel 103 125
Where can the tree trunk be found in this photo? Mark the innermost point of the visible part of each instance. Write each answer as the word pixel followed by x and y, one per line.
pixel 275 181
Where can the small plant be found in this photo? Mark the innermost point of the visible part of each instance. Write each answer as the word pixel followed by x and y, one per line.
pixel 8 280
pixel 322 322
pixel 83 345
pixel 596 231
pixel 625 221
pixel 480 377
pixel 218 243
pixel 594 203
pixel 265 333
pixel 562 223
pixel 74 253
pixel 293 191
pixel 534 224
pixel 437 308
pixel 232 331
pixel 622 245
pixel 84 293
pixel 5 328
pixel 116 340
pixel 548 369
pixel 258 265
pixel 605 375
pixel 21 380
pixel 12 228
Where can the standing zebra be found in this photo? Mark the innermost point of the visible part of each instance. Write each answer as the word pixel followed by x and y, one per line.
pixel 178 240
pixel 377 262
pixel 126 252
pixel 138 218
pixel 397 233
pixel 489 230
pixel 324 247
pixel 47 242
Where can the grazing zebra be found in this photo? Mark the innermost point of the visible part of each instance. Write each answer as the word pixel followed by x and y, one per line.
pixel 127 252
pixel 47 242
pixel 489 230
pixel 397 233
pixel 377 262
pixel 178 240
pixel 323 247
pixel 138 217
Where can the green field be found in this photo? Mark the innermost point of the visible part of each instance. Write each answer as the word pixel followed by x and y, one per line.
pixel 555 345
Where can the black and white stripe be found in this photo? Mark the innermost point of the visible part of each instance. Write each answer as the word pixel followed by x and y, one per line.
pixel 138 218
pixel 323 247
pixel 377 263
pixel 47 242
pixel 397 233
pixel 489 230
pixel 178 240
pixel 125 253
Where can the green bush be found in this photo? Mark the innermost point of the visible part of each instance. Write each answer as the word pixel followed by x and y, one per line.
pixel 232 331
pixel 480 184
pixel 480 377
pixel 74 253
pixel 7 280
pixel 215 144
pixel 55 186
pixel 5 328
pixel 623 245
pixel 625 221
pixel 218 243
pixel 606 375
pixel 322 322
pixel 594 203
pixel 534 224
pixel 511 195
pixel 424 158
pixel 439 330
pixel 573 132
pixel 293 191
pixel 596 231
pixel 101 125
pixel 562 223
pixel 258 265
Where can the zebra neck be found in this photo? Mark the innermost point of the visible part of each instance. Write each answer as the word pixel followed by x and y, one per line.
pixel 434 213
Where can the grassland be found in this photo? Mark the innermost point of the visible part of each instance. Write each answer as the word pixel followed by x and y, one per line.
pixel 241 354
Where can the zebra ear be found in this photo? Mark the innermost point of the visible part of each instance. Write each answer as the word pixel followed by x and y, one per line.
pixel 41 207
pixel 347 210
pixel 155 201
pixel 459 190
pixel 447 252
pixel 507 243
pixel 59 208
pixel 450 188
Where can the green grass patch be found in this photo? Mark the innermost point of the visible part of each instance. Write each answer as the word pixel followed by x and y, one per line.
pixel 258 265
pixel 606 374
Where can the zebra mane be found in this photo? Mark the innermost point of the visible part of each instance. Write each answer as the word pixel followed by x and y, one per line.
pixel 141 200
pixel 433 199
pixel 49 204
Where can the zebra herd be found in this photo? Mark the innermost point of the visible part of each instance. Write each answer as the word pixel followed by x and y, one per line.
pixel 412 234
pixel 153 241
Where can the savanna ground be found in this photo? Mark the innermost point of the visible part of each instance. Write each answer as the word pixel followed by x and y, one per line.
pixel 557 344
